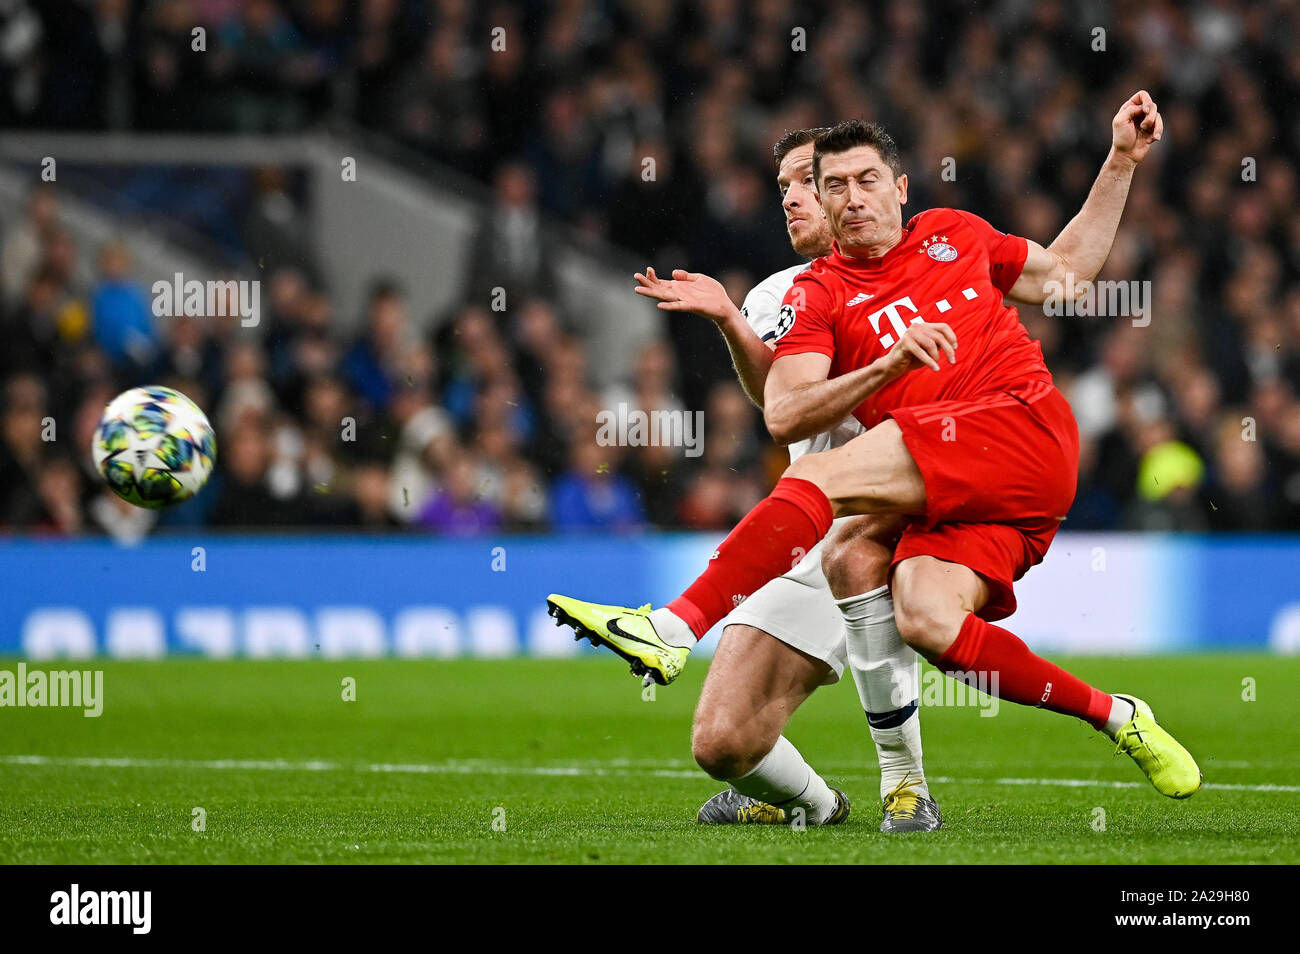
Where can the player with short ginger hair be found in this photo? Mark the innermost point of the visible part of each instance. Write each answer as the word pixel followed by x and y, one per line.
pixel 790 637
pixel 980 451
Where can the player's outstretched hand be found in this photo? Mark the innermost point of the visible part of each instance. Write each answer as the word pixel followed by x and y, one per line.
pixel 687 291
pixel 924 344
pixel 1136 126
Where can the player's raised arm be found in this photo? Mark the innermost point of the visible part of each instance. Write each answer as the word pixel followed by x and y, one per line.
pixel 701 295
pixel 1081 249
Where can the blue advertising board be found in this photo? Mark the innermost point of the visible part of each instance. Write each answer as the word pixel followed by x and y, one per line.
pixel 338 596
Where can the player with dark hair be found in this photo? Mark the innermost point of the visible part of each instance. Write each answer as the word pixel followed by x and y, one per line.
pixel 980 451
pixel 789 638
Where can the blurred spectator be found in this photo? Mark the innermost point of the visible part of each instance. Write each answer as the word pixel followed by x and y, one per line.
pixel 244 498
pixel 59 489
pixel 535 331
pixel 276 232
pixel 561 150
pixel 372 366
pixel 512 250
pixel 1237 496
pixel 169 79
pixel 22 451
pixel 299 340
pixel 24 242
pixel 259 60
pixel 523 498
pixel 458 507
pixel 591 496
pixel 435 104
pixel 653 203
pixel 369 510
pixel 652 386
pixel 190 353
pixel 1170 475
pixel 45 313
pixel 730 484
pixel 120 520
pixel 659 473
pixel 425 445
pixel 123 320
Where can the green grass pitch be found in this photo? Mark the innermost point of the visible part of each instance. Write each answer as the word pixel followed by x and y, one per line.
pixel 568 759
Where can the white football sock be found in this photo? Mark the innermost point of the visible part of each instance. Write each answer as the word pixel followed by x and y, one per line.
pixel 1121 713
pixel 887 673
pixel 672 629
pixel 784 779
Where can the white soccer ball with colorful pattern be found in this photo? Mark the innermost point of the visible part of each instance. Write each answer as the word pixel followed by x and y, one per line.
pixel 154 447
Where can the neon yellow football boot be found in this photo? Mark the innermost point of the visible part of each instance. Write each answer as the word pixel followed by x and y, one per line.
pixel 1168 765
pixel 627 631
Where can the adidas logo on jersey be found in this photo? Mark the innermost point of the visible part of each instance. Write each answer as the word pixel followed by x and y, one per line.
pixel 857 299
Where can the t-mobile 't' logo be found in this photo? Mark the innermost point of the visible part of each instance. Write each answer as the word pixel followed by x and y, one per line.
pixel 887 340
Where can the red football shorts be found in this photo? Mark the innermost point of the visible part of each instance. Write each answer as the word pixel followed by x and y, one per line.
pixel 1000 473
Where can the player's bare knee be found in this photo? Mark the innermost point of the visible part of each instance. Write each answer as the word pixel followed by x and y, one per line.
pixel 858 557
pixel 723 758
pixel 926 624
pixel 855 566
pixel 725 749
pixel 932 600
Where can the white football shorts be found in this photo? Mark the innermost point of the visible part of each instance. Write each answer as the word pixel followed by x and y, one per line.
pixel 799 610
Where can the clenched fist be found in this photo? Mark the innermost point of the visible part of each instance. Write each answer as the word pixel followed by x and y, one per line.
pixel 1135 127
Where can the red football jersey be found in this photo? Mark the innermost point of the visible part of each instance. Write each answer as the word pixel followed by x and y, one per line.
pixel 951 266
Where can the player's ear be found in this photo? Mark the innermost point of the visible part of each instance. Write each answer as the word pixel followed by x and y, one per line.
pixel 901 184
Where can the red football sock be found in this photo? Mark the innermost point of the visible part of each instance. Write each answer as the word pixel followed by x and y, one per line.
pixel 1021 676
pixel 764 545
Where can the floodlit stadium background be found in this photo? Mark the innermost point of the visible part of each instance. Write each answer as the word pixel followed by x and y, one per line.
pixel 443 203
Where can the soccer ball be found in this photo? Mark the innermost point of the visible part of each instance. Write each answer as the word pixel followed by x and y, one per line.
pixel 154 447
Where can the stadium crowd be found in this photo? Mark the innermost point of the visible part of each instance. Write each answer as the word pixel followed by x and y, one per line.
pixel 1187 405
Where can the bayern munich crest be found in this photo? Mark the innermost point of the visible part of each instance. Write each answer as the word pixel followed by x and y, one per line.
pixel 937 247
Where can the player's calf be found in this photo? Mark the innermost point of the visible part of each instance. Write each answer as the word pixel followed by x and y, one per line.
pixel 755 683
pixel 885 669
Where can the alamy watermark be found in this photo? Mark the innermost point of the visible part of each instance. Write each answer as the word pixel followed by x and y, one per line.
pixel 631 427
pixel 230 298
pixel 59 688
pixel 978 690
pixel 1105 299
pixel 75 906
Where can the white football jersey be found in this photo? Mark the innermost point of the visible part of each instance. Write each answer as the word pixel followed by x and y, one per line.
pixel 763 311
